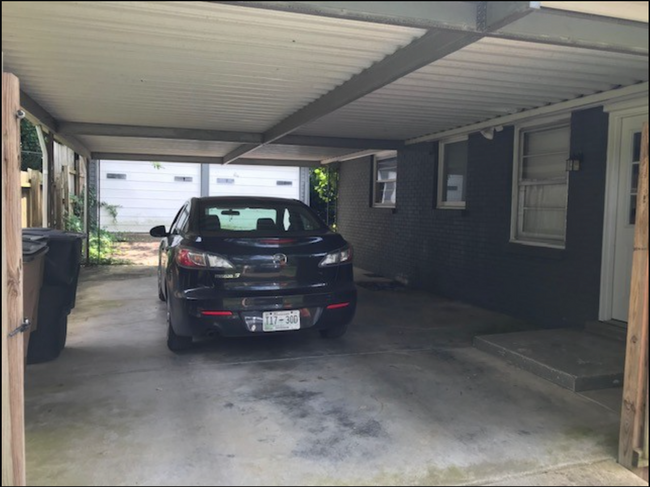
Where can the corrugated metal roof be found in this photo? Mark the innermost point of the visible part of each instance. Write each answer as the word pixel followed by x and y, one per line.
pixel 212 66
pixel 183 64
pixel 490 78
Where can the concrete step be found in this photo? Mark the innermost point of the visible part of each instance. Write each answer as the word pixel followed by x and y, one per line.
pixel 576 360
pixel 609 329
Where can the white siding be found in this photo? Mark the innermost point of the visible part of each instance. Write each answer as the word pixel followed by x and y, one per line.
pixel 148 196
pixel 255 181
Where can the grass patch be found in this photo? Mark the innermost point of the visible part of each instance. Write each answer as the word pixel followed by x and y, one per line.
pixel 102 249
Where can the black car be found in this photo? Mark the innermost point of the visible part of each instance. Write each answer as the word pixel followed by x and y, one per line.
pixel 242 266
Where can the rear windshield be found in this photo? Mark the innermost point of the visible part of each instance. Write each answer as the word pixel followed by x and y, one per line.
pixel 273 218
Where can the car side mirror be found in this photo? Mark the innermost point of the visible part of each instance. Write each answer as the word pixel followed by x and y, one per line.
pixel 158 231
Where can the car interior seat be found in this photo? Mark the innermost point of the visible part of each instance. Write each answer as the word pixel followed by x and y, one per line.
pixel 211 223
pixel 266 224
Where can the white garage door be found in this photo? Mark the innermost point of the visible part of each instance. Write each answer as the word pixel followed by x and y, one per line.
pixel 146 196
pixel 149 194
pixel 233 180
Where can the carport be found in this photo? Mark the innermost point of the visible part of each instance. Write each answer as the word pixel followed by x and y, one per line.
pixel 305 84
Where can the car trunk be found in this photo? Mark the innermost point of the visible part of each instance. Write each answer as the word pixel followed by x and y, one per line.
pixel 274 264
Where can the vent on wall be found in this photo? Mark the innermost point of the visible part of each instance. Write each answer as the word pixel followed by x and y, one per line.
pixel 183 178
pixel 225 181
pixel 115 176
pixel 284 183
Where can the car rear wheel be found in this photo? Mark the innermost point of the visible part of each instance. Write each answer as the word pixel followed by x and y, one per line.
pixel 175 342
pixel 336 331
pixel 161 295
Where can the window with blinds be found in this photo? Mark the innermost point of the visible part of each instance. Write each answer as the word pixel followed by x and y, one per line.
pixel 541 186
pixel 385 184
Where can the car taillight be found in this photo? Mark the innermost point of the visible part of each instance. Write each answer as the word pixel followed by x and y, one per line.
pixel 194 259
pixel 216 313
pixel 342 256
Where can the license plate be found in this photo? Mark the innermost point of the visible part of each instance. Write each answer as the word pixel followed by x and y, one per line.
pixel 281 320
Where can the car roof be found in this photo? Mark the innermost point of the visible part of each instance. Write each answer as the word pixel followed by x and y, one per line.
pixel 246 199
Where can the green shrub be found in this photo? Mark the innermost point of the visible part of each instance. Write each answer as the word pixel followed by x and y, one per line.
pixel 101 242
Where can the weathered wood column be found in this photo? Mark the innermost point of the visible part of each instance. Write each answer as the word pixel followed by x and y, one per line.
pixel 633 447
pixel 13 427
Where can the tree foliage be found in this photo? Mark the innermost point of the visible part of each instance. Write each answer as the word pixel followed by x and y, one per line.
pixel 30 148
pixel 324 193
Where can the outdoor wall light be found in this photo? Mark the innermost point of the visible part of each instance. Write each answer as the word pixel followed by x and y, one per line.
pixel 573 163
pixel 488 133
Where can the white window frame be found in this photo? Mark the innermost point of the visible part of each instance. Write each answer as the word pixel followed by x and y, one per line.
pixel 381 156
pixel 516 234
pixel 448 205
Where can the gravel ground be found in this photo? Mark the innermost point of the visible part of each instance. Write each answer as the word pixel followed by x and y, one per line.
pixel 138 253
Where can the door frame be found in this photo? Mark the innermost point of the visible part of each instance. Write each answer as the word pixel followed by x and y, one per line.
pixel 618 112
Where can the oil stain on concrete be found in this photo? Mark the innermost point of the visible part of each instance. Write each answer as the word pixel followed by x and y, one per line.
pixel 402 399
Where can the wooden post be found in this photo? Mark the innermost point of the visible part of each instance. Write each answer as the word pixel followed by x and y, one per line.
pixel 13 426
pixel 45 199
pixel 24 198
pixel 35 199
pixel 635 387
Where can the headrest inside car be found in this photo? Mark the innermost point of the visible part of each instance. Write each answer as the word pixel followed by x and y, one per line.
pixel 266 224
pixel 211 223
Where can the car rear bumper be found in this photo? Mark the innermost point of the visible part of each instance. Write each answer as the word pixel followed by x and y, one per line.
pixel 246 312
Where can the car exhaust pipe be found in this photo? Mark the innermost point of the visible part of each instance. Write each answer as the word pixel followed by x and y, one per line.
pixel 211 334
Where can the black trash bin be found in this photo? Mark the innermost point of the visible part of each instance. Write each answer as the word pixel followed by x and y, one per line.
pixel 34 250
pixel 58 293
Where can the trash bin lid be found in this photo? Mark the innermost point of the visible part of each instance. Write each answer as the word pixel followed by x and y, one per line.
pixel 52 233
pixel 27 237
pixel 33 248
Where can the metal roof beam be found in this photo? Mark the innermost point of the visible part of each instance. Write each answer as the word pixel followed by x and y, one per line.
pixel 633 92
pixel 110 130
pixel 558 27
pixel 421 52
pixel 249 161
pixel 424 15
pixel 491 16
pixel 547 25
pixel 39 116
pixel 129 156
pixel 349 157
pixel 126 156
pixel 339 142
pixel 433 45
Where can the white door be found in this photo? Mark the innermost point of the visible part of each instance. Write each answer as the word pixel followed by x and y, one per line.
pixel 625 213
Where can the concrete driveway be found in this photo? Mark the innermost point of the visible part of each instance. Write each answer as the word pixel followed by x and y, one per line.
pixel 402 399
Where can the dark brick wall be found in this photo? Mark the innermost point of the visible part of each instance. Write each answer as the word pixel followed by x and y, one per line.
pixel 466 254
